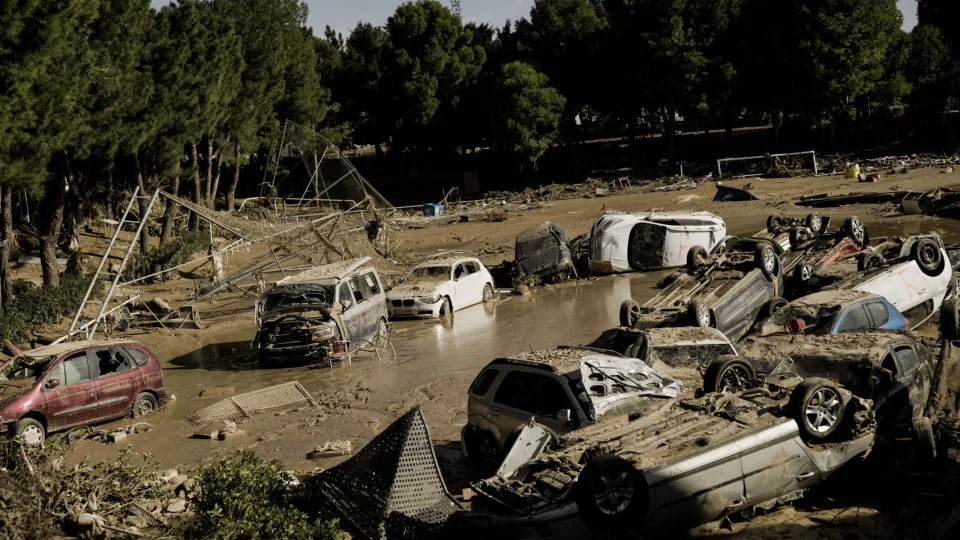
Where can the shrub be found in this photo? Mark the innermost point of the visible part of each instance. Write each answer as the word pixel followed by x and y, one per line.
pixel 173 253
pixel 34 307
pixel 246 497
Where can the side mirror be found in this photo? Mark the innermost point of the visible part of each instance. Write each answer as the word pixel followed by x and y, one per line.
pixel 53 383
pixel 564 415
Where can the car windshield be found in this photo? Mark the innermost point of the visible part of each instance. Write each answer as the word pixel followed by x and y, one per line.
pixel 818 318
pixel 430 273
pixel 534 245
pixel 25 368
pixel 321 296
pixel 691 355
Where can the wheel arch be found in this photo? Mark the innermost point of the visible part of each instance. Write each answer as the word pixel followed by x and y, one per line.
pixel 38 416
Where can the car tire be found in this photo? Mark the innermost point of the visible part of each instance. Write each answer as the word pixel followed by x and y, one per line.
pixel 818 408
pixel 799 235
pixel 803 272
pixel 266 362
pixel 613 497
pixel 696 256
pixel 487 292
pixel 629 313
pixel 772 307
pixel 925 439
pixel 928 256
pixel 31 432
pixel 950 319
pixel 146 403
pixel 868 261
pixel 699 315
pixel 731 375
pixel 765 258
pixel 815 223
pixel 854 228
pixel 773 223
pixel 446 308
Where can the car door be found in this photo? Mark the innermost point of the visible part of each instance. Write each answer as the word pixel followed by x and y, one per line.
pixel 350 315
pixel 777 466
pixel 475 280
pixel 366 308
pixel 74 401
pixel 461 286
pixel 522 395
pixel 117 381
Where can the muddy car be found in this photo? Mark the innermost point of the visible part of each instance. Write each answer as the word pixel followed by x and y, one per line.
pixel 915 274
pixel 563 389
pixel 811 247
pixel 439 287
pixel 544 251
pixel 727 290
pixel 678 348
pixel 322 313
pixel 682 463
pixel 834 312
pixel 637 242
pixel 59 387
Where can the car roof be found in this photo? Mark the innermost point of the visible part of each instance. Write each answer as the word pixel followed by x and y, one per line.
pixel 559 360
pixel 58 349
pixel 446 261
pixel 837 297
pixel 336 271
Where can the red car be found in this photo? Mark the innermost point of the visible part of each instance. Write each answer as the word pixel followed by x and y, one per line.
pixel 61 386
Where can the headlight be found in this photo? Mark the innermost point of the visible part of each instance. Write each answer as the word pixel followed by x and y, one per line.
pixel 323 334
pixel 429 299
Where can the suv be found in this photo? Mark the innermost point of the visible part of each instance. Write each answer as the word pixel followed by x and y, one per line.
pixel 320 313
pixel 549 387
pixel 61 386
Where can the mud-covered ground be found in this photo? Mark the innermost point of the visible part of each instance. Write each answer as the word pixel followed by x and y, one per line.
pixel 435 362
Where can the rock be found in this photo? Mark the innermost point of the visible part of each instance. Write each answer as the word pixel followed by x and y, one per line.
pixel 169 475
pixel 229 427
pixel 948 170
pixel 176 506
pixel 158 305
pixel 136 521
pixel 117 436
pixel 178 480
pixel 331 449
pixel 186 488
pixel 224 435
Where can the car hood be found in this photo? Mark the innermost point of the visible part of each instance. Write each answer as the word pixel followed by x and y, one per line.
pixel 611 382
pixel 420 287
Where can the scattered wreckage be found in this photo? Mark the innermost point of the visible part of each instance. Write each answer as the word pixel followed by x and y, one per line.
pixel 564 389
pixel 635 242
pixel 62 386
pixel 322 313
pixel 439 287
pixel 544 251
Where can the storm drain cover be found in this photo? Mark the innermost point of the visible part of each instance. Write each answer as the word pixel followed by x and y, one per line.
pixel 393 486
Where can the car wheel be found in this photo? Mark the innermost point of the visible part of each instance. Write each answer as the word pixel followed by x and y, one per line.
pixel 699 314
pixel 950 319
pixel 446 308
pixel 803 272
pixel 799 235
pixel 31 432
pixel 696 256
pixel 145 404
pixel 765 258
pixel 487 292
pixel 629 313
pixel 817 406
pixel 854 228
pixel 926 441
pixel 927 254
pixel 815 223
pixel 867 261
pixel 773 223
pixel 733 375
pixel 613 496
pixel 775 305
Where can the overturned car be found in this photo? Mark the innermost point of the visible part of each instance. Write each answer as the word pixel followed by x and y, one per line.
pixel 544 251
pixel 322 313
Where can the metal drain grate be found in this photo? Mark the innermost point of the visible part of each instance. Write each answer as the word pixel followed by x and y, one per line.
pixel 396 473
pixel 276 398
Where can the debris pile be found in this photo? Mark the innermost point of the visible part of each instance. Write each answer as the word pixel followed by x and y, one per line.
pixel 835 164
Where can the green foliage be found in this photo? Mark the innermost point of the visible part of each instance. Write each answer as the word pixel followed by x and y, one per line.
pixel 35 306
pixel 530 110
pixel 245 497
pixel 173 253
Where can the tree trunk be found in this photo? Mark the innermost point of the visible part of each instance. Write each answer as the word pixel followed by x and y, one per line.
pixel 144 233
pixel 671 135
pixel 212 198
pixel 194 222
pixel 728 119
pixel 232 190
pixel 209 183
pixel 48 254
pixel 6 235
pixel 170 211
pixel 111 204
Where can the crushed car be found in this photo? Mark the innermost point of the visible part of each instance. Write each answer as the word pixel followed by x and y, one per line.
pixel 59 387
pixel 439 287
pixel 564 389
pixel 834 312
pixel 676 348
pixel 727 290
pixel 323 313
pixel 637 242
pixel 544 251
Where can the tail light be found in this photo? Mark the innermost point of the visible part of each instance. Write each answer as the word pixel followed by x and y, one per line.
pixel 906 322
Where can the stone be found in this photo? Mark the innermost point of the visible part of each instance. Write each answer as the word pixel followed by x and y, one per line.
pixel 178 480
pixel 176 506
pixel 331 449
pixel 158 306
pixel 224 435
pixel 948 170
pixel 169 475
pixel 136 521
pixel 117 436
pixel 229 427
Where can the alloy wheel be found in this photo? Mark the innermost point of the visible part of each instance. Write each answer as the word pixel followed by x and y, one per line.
pixel 822 411
pixel 616 494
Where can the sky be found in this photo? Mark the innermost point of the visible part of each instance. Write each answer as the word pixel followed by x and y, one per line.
pixel 343 15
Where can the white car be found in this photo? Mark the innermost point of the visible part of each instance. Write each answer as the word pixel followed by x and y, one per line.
pixel 631 242
pixel 439 287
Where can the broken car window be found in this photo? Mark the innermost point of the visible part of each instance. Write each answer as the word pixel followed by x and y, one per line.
pixel 907 357
pixel 361 291
pixel 537 245
pixel 76 369
pixel 282 298
pixel 371 280
pixel 879 314
pixel 345 295
pixel 110 362
pixel 854 320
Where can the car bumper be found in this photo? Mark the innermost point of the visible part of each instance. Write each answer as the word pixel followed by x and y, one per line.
pixel 293 351
pixel 415 311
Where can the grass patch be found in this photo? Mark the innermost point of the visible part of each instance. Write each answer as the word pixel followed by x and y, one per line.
pixel 34 307
pixel 174 253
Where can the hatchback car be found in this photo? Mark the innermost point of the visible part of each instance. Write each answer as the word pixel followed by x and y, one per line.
pixel 545 251
pixel 62 386
pixel 439 287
